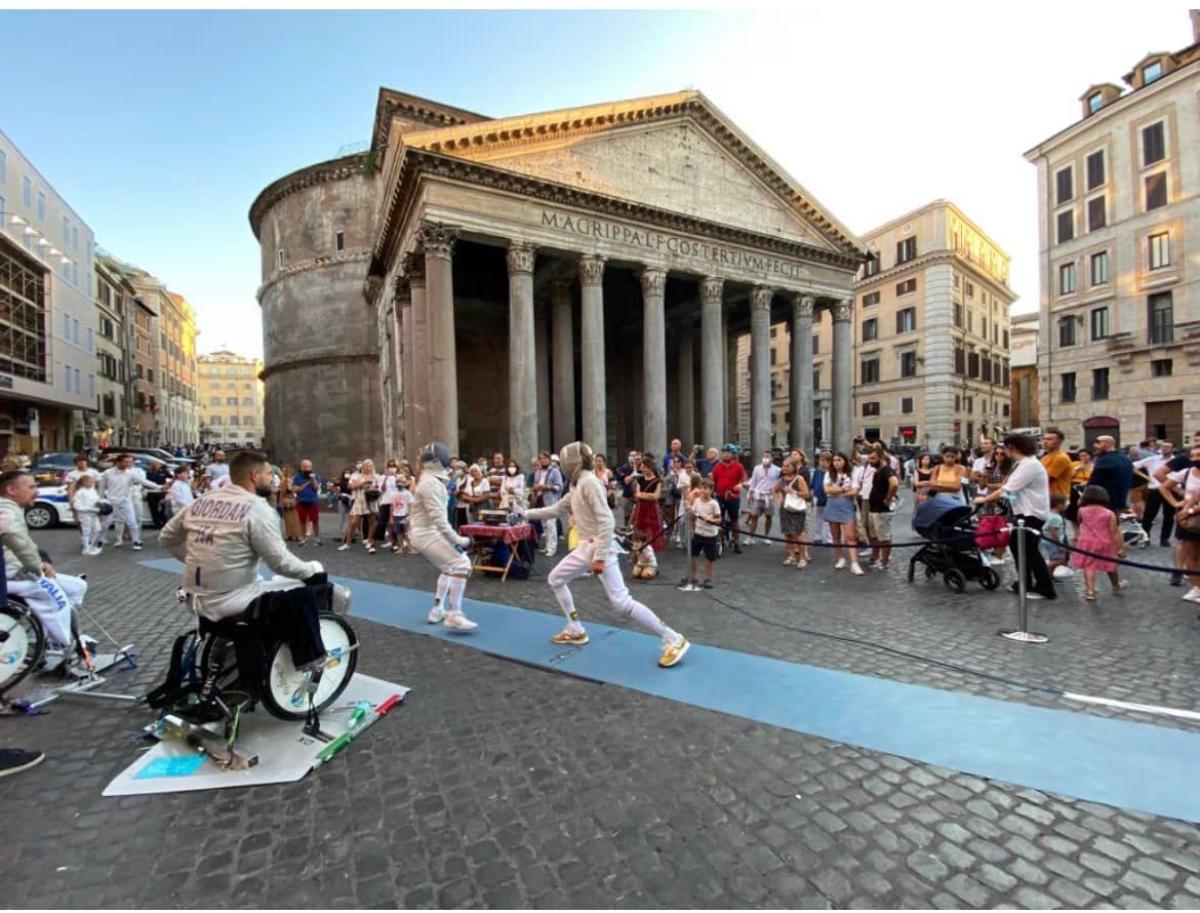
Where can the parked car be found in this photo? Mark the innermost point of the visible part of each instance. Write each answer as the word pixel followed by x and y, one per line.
pixel 157 453
pixel 52 467
pixel 52 509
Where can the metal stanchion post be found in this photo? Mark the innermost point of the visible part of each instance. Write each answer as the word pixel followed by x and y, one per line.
pixel 1022 634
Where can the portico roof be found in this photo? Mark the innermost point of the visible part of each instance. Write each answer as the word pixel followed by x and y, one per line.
pixel 475 140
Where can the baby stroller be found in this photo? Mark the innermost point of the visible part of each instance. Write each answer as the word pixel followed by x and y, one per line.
pixel 945 522
pixel 1132 533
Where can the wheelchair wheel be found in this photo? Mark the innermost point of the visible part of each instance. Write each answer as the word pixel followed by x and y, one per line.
pixel 282 694
pixel 22 643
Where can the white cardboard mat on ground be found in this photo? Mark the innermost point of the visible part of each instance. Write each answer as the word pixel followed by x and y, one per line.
pixel 285 753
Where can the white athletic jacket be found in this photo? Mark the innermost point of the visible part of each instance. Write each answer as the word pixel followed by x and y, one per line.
pixel 427 518
pixel 220 539
pixel 587 503
pixel 22 560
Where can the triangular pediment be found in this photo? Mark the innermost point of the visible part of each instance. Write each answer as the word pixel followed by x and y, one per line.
pixel 676 153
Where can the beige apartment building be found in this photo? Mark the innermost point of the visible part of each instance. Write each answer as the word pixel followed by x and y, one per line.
pixel 1023 359
pixel 174 404
pixel 1119 218
pixel 930 337
pixel 231 399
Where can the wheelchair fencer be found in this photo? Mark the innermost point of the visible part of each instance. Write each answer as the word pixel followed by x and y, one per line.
pixel 220 670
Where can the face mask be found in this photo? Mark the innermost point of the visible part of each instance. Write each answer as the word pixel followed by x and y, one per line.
pixel 766 463
pixel 512 470
pixel 391 470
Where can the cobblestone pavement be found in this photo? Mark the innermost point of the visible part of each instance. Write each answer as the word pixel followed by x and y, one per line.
pixel 499 785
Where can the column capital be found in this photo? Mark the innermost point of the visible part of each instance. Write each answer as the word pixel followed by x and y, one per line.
pixel 414 268
pixel 402 293
pixel 712 288
pixel 843 311
pixel 438 240
pixel 804 305
pixel 760 298
pixel 654 280
pixel 591 270
pixel 520 257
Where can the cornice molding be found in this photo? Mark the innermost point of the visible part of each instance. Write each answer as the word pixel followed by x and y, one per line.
pixel 419 163
pixel 323 172
pixel 319 358
pixel 934 257
pixel 316 263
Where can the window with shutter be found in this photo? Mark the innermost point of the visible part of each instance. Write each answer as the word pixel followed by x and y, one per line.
pixel 1156 190
pixel 1096 213
pixel 1095 169
pixel 1064 186
pixel 1066 226
pixel 1154 147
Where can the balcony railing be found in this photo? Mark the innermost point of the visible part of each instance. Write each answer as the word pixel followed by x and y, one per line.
pixel 1163 335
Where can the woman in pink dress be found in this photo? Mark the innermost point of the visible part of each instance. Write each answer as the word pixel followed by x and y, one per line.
pixel 1098 535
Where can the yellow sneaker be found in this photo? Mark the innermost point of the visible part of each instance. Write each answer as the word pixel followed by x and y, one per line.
pixel 571 638
pixel 674 652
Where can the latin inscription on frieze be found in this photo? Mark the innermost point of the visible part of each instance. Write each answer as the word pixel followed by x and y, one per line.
pixel 705 254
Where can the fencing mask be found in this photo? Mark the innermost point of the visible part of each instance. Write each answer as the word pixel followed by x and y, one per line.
pixel 435 459
pixel 574 458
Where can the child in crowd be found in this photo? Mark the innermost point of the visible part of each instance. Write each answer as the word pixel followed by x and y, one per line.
pixel 1054 533
pixel 645 564
pixel 1099 534
pixel 87 509
pixel 402 500
pixel 706 529
pixel 179 495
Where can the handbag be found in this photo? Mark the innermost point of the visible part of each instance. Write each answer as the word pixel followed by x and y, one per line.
pixel 794 502
pixel 1188 519
pixel 992 532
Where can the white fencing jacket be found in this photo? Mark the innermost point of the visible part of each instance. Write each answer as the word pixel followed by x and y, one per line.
pixel 220 539
pixel 587 503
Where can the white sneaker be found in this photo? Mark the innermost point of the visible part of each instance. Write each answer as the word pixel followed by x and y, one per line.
pixel 343 547
pixel 856 569
pixel 137 546
pixel 436 614
pixel 802 563
pixel 1192 595
pixel 841 563
pixel 457 621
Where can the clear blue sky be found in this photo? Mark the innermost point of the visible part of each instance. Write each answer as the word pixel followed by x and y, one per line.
pixel 160 128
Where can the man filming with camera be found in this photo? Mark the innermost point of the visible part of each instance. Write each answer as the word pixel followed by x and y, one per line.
pixel 307 485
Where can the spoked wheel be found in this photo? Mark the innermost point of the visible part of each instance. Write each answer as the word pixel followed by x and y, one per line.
pixel 283 694
pixel 955 580
pixel 989 579
pixel 22 643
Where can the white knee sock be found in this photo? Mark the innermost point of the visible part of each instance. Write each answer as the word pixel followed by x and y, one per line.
pixel 566 602
pixel 443 587
pixel 457 585
pixel 651 622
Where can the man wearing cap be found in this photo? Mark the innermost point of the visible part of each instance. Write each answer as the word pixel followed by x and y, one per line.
pixel 434 537
pixel 587 503
pixel 729 477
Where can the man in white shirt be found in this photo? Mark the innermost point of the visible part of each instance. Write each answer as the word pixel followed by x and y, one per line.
pixel 180 494
pixel 762 495
pixel 81 469
pixel 1027 489
pixel 1148 466
pixel 117 486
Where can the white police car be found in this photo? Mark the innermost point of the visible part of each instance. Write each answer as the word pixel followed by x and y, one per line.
pixel 52 509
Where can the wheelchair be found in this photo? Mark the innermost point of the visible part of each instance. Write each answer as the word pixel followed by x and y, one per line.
pixel 220 670
pixel 22 642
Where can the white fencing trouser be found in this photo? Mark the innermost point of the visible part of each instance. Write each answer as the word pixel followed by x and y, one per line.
pixel 577 564
pixel 52 599
pixel 90 530
pixel 125 514
pixel 454 566
pixel 550 534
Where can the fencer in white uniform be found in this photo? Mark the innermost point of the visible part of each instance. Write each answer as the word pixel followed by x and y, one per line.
pixel 433 536
pixel 587 503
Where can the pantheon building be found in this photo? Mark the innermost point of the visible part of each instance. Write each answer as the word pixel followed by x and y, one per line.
pixel 516 283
